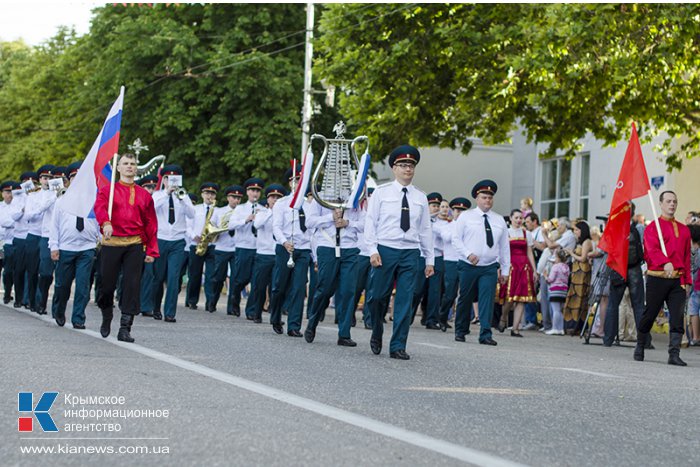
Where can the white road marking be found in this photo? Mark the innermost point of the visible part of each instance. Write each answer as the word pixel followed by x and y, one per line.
pixel 435 346
pixel 477 390
pixel 594 373
pixel 439 446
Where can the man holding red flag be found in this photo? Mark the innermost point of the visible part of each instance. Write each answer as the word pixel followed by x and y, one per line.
pixel 668 277
pixel 633 182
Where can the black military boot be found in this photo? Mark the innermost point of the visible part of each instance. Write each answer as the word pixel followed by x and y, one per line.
pixel 125 328
pixel 105 329
pixel 674 349
pixel 639 349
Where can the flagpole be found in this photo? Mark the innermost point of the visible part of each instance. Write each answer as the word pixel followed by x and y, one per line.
pixel 111 186
pixel 658 226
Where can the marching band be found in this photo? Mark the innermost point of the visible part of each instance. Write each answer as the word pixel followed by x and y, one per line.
pixel 397 241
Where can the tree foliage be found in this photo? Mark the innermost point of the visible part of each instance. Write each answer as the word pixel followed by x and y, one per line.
pixel 437 74
pixel 216 88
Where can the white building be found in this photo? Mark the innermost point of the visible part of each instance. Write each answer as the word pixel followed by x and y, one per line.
pixel 581 187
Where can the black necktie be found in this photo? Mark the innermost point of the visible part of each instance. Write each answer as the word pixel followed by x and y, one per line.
pixel 253 229
pixel 302 220
pixel 489 234
pixel 405 213
pixel 79 224
pixel 171 209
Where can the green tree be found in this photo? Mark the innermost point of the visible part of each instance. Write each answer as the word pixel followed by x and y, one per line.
pixel 216 88
pixel 439 74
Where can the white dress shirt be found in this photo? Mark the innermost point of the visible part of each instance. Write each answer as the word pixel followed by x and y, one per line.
pixel 184 209
pixel 7 224
pixel 225 241
pixel 37 205
pixel 383 223
pixel 470 238
pixel 282 218
pixel 19 201
pixel 263 222
pixel 244 229
pixel 449 251
pixel 64 234
pixel 438 241
pixel 200 215
pixel 321 219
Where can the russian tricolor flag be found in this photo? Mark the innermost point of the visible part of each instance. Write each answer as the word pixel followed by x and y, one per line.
pixel 358 188
pixel 300 193
pixel 95 171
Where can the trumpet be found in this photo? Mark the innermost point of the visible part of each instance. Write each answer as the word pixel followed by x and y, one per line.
pixel 181 193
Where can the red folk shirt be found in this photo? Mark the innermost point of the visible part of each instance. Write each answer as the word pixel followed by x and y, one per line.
pixel 677 239
pixel 133 213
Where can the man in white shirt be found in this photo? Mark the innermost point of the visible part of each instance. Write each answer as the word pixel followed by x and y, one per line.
pixel 397 230
pixel 567 239
pixel 172 213
pixel 38 204
pixel 19 202
pixel 265 253
pixel 246 240
pixel 46 264
pixel 363 268
pixel 7 223
pixel 336 252
pixel 481 240
pixel 451 280
pixel 202 214
pixel 225 244
pixel 72 242
pixel 292 237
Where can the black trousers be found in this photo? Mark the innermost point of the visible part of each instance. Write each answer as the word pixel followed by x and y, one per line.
pixel 660 290
pixel 128 259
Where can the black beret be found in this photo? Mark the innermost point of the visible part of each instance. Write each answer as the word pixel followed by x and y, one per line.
pixel 235 190
pixel 171 169
pixel 434 197
pixel 45 170
pixel 209 186
pixel 485 186
pixel 28 176
pixel 405 153
pixel 254 182
pixel 7 186
pixel 148 180
pixel 73 168
pixel 59 171
pixel 288 173
pixel 461 203
pixel 275 189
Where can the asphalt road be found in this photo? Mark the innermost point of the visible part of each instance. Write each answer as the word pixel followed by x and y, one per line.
pixel 238 394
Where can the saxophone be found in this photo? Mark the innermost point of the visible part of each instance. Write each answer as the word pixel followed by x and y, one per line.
pixel 209 233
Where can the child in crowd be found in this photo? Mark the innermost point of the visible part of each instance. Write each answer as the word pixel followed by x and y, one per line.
pixel 526 206
pixel 558 281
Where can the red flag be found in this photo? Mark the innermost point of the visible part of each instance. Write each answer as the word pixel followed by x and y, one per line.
pixel 633 182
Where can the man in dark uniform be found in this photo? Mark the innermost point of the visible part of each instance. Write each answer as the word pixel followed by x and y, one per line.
pixel 397 231
pixel 481 239
pixel 451 257
pixel 202 216
pixel 225 244
pixel 148 183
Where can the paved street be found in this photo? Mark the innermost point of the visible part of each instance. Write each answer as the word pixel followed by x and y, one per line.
pixel 238 394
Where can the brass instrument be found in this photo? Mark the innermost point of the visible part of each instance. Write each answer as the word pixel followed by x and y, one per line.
pixel 181 193
pixel 209 234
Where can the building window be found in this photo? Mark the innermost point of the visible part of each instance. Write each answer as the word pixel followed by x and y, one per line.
pixel 556 188
pixel 585 182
